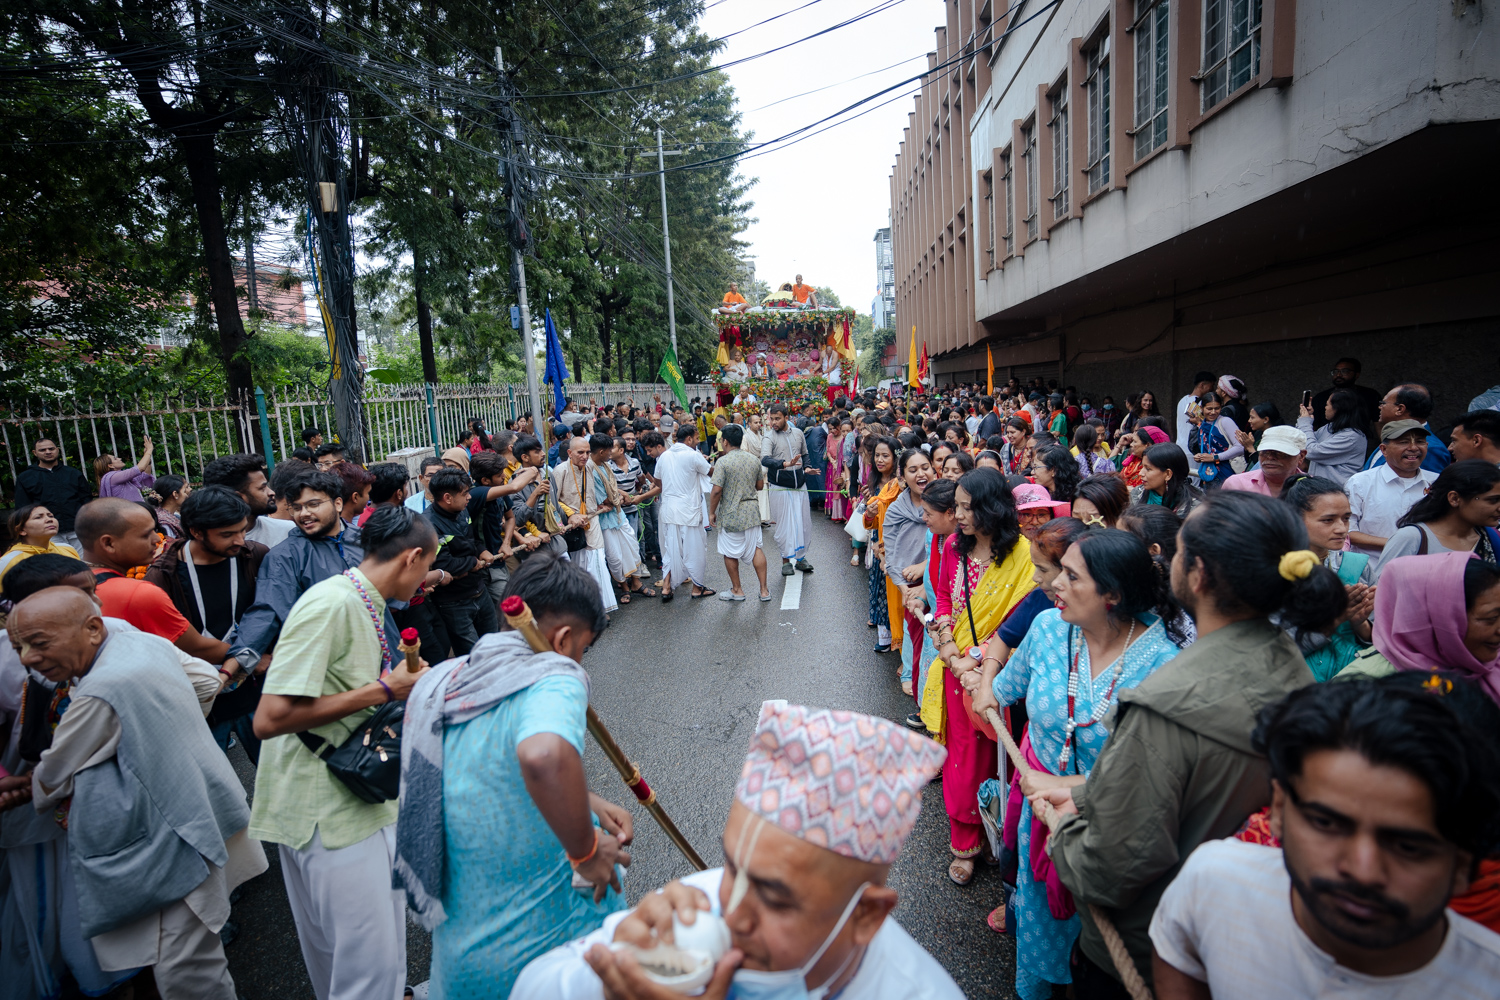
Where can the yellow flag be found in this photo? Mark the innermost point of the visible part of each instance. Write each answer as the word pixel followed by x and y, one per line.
pixel 990 383
pixel 913 378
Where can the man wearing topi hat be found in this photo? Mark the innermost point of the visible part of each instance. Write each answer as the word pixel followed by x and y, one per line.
pixel 824 802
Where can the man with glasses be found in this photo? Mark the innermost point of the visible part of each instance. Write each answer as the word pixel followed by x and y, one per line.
pixel 317 548
pixel 1345 375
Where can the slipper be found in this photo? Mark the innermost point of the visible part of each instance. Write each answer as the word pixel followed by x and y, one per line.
pixel 624 598
pixel 666 595
pixel 765 597
pixel 730 595
pixel 959 874
pixel 645 592
pixel 707 593
pixel 996 919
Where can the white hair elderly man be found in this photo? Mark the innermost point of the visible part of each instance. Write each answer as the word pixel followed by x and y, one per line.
pixel 823 805
pixel 155 816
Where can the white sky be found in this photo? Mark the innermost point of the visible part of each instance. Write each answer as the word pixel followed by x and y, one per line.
pixel 820 201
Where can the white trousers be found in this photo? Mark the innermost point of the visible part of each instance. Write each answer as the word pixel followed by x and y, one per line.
pixel 793 517
pixel 350 923
pixel 683 554
pixel 594 562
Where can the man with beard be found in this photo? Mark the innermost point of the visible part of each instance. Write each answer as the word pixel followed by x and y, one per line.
pixel 209 575
pixel 1345 375
pixel 317 548
pixel 1385 796
pixel 783 453
pixel 1179 768
pixel 246 475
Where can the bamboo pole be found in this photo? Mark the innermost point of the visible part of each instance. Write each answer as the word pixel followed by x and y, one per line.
pixel 518 616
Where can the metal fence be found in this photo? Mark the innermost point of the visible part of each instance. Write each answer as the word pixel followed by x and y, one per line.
pixel 189 431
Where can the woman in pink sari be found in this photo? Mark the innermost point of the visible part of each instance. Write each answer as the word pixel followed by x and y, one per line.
pixel 836 500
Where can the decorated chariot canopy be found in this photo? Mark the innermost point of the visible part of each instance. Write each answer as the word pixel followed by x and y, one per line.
pixel 782 351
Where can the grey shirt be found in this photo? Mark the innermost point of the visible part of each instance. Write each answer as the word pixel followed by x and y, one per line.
pixel 782 446
pixel 1335 455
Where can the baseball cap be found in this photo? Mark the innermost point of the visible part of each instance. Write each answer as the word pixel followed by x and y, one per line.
pixel 1400 428
pixel 1284 439
pixel 1031 496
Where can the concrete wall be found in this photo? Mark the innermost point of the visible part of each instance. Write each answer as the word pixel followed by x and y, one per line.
pixel 1361 75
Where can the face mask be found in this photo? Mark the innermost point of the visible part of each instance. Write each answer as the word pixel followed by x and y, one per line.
pixel 1109 406
pixel 785 984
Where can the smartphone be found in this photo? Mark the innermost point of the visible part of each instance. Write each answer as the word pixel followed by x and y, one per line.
pixel 1307 397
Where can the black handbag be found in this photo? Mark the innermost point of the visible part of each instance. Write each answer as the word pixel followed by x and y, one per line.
pixel 789 479
pixel 369 761
pixel 577 539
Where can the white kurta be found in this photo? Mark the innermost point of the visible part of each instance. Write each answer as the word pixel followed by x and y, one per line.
pixel 894 966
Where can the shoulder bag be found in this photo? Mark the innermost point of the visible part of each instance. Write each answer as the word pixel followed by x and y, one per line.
pixel 369 761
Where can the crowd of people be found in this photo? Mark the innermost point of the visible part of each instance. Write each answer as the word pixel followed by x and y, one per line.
pixel 1240 659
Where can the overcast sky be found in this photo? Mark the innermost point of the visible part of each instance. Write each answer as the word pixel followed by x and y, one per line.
pixel 819 202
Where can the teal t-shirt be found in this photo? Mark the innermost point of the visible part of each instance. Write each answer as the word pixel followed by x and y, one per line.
pixel 507 885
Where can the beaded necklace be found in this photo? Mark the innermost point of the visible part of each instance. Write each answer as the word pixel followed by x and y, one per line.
pixel 385 653
pixel 1101 706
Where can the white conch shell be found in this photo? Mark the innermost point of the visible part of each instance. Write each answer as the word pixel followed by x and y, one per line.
pixel 686 966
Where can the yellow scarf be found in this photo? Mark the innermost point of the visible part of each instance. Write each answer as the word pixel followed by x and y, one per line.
pixel 999 590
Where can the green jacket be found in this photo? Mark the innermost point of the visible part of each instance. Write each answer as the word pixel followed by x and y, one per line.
pixel 1177 770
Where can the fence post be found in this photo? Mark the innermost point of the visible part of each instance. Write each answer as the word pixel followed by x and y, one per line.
pixel 265 425
pixel 432 421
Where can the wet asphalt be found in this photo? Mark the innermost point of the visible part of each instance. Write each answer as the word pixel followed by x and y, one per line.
pixel 680 686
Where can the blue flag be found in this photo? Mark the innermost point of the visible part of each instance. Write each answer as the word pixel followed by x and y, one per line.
pixel 557 368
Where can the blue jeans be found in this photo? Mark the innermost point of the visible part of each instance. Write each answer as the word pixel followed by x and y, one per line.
pixel 243 729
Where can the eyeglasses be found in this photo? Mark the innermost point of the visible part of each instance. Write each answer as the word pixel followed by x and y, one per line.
pixel 1343 371
pixel 311 506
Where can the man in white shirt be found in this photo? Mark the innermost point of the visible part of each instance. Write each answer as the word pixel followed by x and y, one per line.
pixel 682 471
pixel 1385 795
pixel 1381 496
pixel 1202 382
pixel 783 453
pixel 419 500
pixel 804 897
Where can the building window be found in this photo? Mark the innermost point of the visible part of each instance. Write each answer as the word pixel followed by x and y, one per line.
pixel 1033 193
pixel 1150 76
pixel 1057 135
pixel 1231 47
pixel 1096 90
pixel 989 216
pixel 1008 181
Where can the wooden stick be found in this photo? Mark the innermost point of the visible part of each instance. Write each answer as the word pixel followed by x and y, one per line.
pixel 1124 964
pixel 518 616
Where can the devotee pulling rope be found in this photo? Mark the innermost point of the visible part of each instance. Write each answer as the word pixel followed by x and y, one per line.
pixel 1134 985
pixel 518 616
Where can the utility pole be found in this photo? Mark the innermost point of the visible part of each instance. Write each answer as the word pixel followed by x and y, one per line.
pixel 518 188
pixel 666 240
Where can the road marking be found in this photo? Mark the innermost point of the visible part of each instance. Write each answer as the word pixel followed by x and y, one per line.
pixel 791 594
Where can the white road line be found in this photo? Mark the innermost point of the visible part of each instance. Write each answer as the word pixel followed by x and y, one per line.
pixel 791 594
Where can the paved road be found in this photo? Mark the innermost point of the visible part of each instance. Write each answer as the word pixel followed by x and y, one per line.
pixel 680 687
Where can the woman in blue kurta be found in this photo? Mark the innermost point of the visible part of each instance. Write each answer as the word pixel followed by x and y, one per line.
pixel 1075 660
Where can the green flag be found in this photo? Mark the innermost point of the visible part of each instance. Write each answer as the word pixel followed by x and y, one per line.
pixel 672 375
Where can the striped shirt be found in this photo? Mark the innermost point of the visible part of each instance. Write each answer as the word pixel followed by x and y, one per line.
pixel 627 478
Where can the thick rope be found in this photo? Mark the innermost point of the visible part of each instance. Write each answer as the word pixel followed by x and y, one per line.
pixel 1124 965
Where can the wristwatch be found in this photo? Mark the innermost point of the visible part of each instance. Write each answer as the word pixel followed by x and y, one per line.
pixel 976 654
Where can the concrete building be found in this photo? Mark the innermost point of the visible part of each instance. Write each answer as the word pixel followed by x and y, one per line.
pixel 883 309
pixel 1148 188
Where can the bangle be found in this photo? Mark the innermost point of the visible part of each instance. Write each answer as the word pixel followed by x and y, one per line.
pixel 575 862
pixel 226 673
pixel 390 695
pixel 988 659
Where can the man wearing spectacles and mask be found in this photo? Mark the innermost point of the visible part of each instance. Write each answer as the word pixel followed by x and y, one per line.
pixel 823 805
pixel 317 548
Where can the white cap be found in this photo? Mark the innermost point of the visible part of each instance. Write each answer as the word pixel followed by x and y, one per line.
pixel 1285 439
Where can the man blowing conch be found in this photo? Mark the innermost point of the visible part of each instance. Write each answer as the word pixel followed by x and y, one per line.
pixel 823 804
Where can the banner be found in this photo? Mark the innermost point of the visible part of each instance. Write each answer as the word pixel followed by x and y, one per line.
pixel 671 374
pixel 913 366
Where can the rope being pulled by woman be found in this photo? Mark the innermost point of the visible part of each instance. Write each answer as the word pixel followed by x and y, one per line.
pixel 1129 974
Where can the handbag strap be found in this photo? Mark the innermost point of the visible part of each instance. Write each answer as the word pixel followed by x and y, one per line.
pixel 969 601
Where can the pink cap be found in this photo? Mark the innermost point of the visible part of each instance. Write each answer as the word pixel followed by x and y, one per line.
pixel 1030 496
pixel 850 783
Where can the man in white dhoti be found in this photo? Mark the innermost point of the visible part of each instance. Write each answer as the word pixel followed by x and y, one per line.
pixel 823 805
pixel 622 554
pixel 155 815
pixel 574 486
pixel 682 470
pixel 733 510
pixel 783 452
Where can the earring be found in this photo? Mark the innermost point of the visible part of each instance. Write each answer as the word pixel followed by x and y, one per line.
pixel 1109 605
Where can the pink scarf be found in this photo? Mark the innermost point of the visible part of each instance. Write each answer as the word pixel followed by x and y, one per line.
pixel 1420 619
pixel 1059 899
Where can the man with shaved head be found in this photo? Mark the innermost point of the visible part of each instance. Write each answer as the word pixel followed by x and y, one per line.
pixel 38 944
pixel 155 815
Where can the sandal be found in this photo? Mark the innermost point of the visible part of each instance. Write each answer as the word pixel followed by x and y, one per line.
pixel 624 598
pixel 706 593
pixel 645 592
pixel 996 919
pixel 961 870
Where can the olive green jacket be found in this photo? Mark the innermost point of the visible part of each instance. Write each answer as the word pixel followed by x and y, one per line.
pixel 1177 770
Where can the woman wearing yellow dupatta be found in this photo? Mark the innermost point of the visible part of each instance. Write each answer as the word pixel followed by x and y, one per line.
pixel 986 571
pixel 876 509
